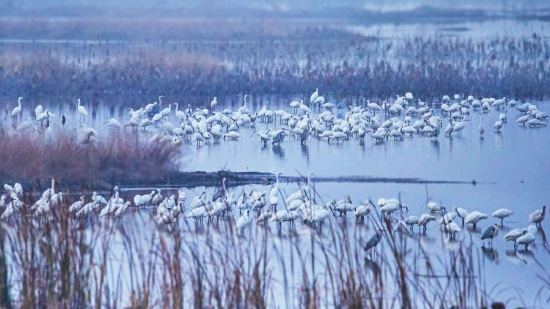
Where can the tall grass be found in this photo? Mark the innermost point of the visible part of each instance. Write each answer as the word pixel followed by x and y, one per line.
pixel 114 158
pixel 336 64
pixel 63 262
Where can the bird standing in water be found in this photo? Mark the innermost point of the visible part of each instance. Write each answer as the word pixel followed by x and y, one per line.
pixel 490 233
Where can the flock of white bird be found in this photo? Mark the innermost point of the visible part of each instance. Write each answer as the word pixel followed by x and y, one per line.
pixel 333 122
pixel 299 206
pixel 404 117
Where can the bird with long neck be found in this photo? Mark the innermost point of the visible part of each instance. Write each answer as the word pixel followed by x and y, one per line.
pixel 274 193
pixel 17 110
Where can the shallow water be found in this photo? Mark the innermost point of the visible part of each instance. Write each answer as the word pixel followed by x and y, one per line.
pixel 509 168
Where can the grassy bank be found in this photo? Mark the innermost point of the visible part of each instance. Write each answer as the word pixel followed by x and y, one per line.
pixel 116 158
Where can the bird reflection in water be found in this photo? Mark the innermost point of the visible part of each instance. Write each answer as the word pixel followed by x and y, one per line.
pixel 491 254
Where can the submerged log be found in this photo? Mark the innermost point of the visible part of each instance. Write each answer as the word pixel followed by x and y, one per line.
pixel 233 179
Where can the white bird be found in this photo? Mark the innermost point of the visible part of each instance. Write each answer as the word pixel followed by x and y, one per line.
pixel 502 213
pixel 320 215
pixel 76 206
pixel 109 208
pixel 498 125
pixel 448 217
pixel 88 209
pixel 165 112
pixel 304 107
pixel 424 220
pixel 244 220
pixel 459 126
pixel 198 213
pixel 264 216
pixel 274 193
pixel 280 216
pixel 47 195
pixel 231 135
pixel 535 123
pixel 98 198
pixel 143 200
pixel 122 208
pixel 461 212
pixel 180 114
pixel 411 221
pixel 481 129
pixel 538 215
pixel 81 109
pixel 113 123
pixel 17 110
pixel 314 96
pixel 433 207
pixel 452 228
pixel 214 103
pixel 513 235
pixel 474 217
pixel 363 210
pixel 526 239
pixel 38 110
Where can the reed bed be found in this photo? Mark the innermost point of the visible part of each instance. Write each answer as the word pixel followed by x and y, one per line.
pixel 336 64
pixel 113 159
pixel 62 262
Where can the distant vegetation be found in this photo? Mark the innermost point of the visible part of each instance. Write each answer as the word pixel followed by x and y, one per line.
pixel 285 60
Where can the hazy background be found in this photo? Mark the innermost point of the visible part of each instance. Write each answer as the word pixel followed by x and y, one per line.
pixel 271 5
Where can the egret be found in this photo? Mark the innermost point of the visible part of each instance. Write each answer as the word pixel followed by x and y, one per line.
pixel 274 193
pixel 165 112
pixel 314 96
pixel 180 114
pixel 213 104
pixel 490 233
pixel 38 110
pixel 17 110
pixel 81 110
